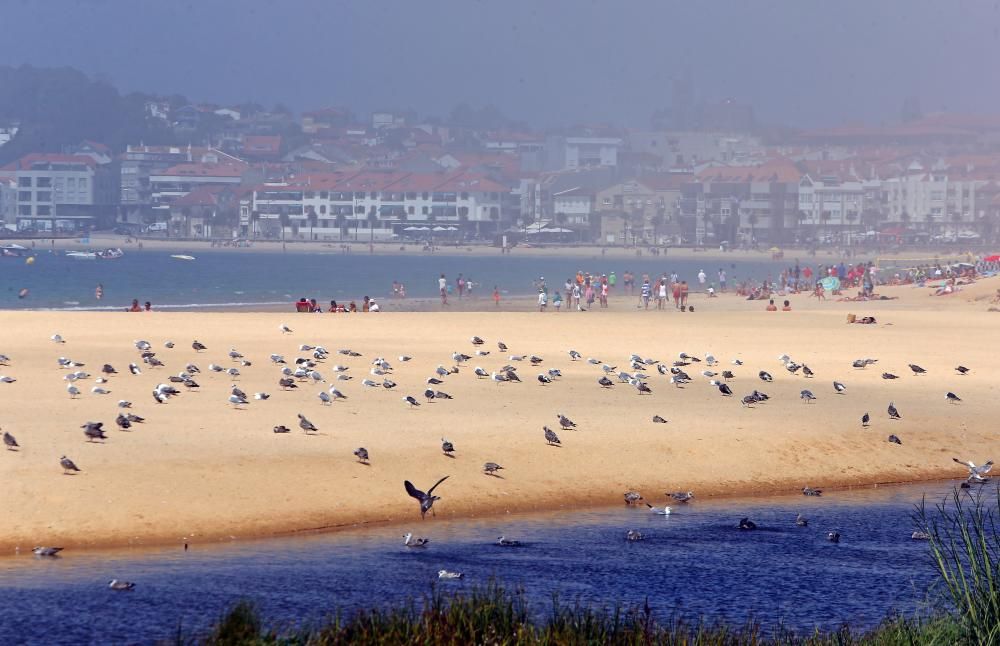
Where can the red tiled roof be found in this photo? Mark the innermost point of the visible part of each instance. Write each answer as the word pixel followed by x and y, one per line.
pixel 774 170
pixel 25 162
pixel 367 180
pixel 665 181
pixel 204 195
pixel 205 170
pixel 270 144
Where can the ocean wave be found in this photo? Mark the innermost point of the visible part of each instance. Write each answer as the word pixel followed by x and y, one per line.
pixel 165 306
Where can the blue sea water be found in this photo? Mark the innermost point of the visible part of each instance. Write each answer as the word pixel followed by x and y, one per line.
pixel 693 564
pixel 220 278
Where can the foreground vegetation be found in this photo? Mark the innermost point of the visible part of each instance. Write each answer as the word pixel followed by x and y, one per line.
pixel 964 546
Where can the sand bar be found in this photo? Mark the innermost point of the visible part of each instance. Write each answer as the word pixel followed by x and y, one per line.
pixel 198 470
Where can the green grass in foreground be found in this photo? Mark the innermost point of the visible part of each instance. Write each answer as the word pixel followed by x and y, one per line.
pixel 964 546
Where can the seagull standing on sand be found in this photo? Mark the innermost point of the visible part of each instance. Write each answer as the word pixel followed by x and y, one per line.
pixel 448 448
pixel 865 419
pixel 491 468
pixel 893 413
pixel 952 398
pixel 807 396
pixel 10 442
pixel 306 425
pixel 839 387
pixel 361 454
pixel 285 329
pixel 565 422
pixel 68 466
pixel 426 499
pixel 550 436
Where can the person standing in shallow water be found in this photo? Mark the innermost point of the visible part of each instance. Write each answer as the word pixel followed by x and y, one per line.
pixel 443 287
pixel 460 285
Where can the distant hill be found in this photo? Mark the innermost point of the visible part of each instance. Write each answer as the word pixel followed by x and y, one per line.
pixel 57 107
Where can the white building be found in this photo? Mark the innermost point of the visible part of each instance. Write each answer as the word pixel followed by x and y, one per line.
pixel 7 133
pixel 935 197
pixel 374 205
pixel 581 152
pixel 837 202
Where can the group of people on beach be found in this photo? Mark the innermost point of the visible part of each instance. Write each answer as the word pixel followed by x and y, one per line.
pixel 145 307
pixel 463 286
pixel 368 304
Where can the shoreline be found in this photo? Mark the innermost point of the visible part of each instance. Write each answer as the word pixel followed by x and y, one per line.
pixel 158 541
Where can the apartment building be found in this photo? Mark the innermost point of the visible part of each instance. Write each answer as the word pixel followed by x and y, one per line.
pixel 374 205
pixel 64 193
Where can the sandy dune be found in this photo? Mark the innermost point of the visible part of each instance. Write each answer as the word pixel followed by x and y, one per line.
pixel 199 470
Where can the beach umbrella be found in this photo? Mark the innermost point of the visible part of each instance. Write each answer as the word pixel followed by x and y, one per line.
pixel 413 229
pixel 438 229
pixel 774 250
pixel 993 258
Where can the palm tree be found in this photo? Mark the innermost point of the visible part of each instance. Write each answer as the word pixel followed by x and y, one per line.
pixel 341 221
pixel 372 219
pixel 254 220
pixel 313 218
pixel 752 219
pixel 495 216
pixel 284 219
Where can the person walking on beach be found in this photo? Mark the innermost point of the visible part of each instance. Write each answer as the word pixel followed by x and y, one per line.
pixel 612 280
pixel 496 296
pixel 443 288
pixel 557 300
pixel 675 288
pixel 701 279
pixel 645 293
pixel 684 294
pixel 604 294
pixel 575 296
pixel 661 293
pixel 543 300
pixel 722 279
pixel 460 285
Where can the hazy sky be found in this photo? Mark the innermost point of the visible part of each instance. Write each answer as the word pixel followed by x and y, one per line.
pixel 800 62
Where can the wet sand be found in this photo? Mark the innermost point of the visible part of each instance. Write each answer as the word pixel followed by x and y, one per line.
pixel 198 470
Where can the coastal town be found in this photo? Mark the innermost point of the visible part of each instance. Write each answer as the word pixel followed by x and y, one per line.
pixel 706 175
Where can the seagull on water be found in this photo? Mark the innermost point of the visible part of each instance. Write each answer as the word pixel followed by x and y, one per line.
pixel 633 535
pixel 503 541
pixel 746 524
pixel 665 511
pixel 121 586
pixel 976 473
pixel 410 540
pixel 833 537
pixel 46 551
pixel 809 491
pixel 445 574
pixel 68 466
pixel 426 499
pixel 801 521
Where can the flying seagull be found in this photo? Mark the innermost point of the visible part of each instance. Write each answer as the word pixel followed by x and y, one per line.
pixel 976 473
pixel 426 499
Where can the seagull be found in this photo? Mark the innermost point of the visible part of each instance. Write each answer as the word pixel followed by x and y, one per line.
pixel 57 338
pixel 643 388
pixel 10 442
pixel 46 551
pixel 445 574
pixel 765 376
pixel 632 497
pixel 809 491
pixel 440 394
pixel 448 448
pixel 429 394
pixel 498 379
pixel 97 390
pixel 142 346
pixel 169 345
pixel 544 379
pixel 94 431
pixel 361 454
pixel 501 346
pixel 724 389
pixel 746 524
pixel 748 401
pixel 306 425
pixel 281 428
pixel 550 436
pixel 7 380
pixel 72 390
pixel 962 370
pixel 123 422
pixel 68 466
pixel 893 413
pixel 633 535
pixel 665 511
pixel 807 371
pixel 737 362
pixel 807 396
pixel 659 420
pixel 434 381
pixel 594 362
pixel 833 537
pixel 839 387
pixel 477 341
pixel 409 399
pixel 503 541
pixel 555 372
pixel 491 468
pixel 889 375
pixel 895 439
pixel 410 541
pixel 336 394
pixel 801 521
pixel 952 397
pixel 285 329
pixel 233 372
pixel 198 346
pixel 426 499
pixel 681 496
pixel 920 536
pixel 324 397
pixel 404 358
pixel 565 422
pixel 605 382
pixel 512 376
pixel 287 383
pixel 574 355
pixel 917 370
pixel 368 383
pixel 480 373
pixel 121 586
pixel 237 401
pixel 728 374
pixel 865 419
pixel 108 369
pixel 482 353
pixel 976 473
pixel 261 396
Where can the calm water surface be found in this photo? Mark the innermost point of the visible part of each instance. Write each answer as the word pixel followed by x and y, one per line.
pixel 226 278
pixel 693 564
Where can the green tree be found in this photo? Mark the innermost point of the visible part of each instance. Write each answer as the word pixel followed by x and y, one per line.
pixel 341 222
pixel 372 220
pixel 313 218
pixel 284 220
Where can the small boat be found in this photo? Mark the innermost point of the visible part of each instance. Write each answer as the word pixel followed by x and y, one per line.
pixel 82 255
pixel 110 254
pixel 13 251
pixel 180 256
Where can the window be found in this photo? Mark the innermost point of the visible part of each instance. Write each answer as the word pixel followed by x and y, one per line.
pixel 43 196
pixel 463 211
pixel 411 196
pixel 323 195
pixel 410 210
pixel 607 201
pixel 360 210
pixel 310 195
pixel 425 196
pixel 24 181
pixel 44 209
pixel 24 209
pixel 24 196
pixel 322 208
pixel 44 182
pixel 83 182
pixel 425 210
pixel 374 195
pixel 465 196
